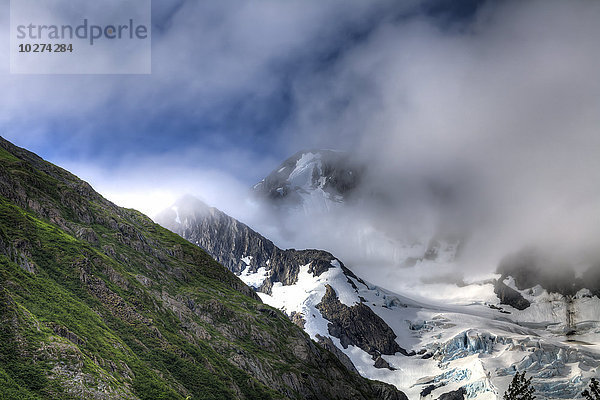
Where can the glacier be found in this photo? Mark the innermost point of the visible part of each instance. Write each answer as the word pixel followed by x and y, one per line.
pixel 474 346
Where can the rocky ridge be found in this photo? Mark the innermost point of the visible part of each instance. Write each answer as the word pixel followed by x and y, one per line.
pixel 246 252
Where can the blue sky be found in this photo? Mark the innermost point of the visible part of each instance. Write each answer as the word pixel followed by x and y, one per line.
pixel 472 93
pixel 224 80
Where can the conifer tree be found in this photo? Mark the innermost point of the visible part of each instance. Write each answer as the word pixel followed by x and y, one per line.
pixel 520 388
pixel 593 391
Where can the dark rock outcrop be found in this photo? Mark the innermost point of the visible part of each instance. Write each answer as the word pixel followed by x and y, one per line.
pixel 387 392
pixel 458 394
pixel 335 172
pixel 358 326
pixel 381 363
pixel 509 296
pixel 427 390
pixel 237 246
pixel 327 343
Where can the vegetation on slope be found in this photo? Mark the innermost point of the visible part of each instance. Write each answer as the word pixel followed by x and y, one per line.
pixel 97 301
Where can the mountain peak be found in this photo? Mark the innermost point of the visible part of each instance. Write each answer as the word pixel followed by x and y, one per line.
pixel 312 178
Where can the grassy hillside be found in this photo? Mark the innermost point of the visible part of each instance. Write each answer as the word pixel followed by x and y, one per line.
pixel 97 301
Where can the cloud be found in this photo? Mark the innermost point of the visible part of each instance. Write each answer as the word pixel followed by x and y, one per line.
pixel 219 71
pixel 153 182
pixel 501 114
pixel 217 93
pixel 496 110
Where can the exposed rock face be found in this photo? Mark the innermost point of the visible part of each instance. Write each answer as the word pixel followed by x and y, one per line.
pixel 381 363
pixel 327 343
pixel 358 326
pixel 454 395
pixel 18 253
pixel 67 334
pixel 333 172
pixel 384 392
pixel 427 390
pixel 201 224
pixel 237 246
pixel 509 296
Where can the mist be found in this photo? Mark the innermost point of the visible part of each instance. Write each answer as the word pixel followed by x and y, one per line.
pixel 488 131
pixel 483 127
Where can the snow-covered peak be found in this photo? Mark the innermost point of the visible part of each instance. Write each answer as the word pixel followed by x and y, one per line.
pixel 312 179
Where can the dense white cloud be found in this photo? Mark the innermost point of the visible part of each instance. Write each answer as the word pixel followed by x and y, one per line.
pixel 500 111
pixel 152 183
pixel 502 114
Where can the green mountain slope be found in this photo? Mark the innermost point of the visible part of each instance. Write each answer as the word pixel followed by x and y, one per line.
pixel 97 301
